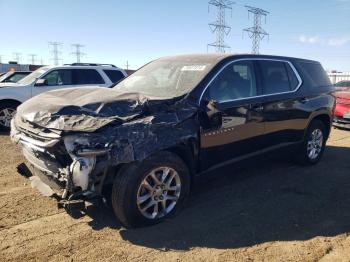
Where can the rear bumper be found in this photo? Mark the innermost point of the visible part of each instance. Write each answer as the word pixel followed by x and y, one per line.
pixel 341 122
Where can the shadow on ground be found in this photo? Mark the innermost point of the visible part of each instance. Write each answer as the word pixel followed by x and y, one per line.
pixel 270 199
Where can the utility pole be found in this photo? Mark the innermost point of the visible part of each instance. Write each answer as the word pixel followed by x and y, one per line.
pixel 32 59
pixel 55 52
pixel 219 27
pixel 127 65
pixel 17 57
pixel 78 53
pixel 256 33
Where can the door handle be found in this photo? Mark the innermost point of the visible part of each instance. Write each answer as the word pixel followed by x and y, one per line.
pixel 304 100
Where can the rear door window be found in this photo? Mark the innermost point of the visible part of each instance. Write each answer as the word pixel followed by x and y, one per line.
pixel 277 77
pixel 87 77
pixel 114 75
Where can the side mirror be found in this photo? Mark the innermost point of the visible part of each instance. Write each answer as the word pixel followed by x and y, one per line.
pixel 41 82
pixel 214 114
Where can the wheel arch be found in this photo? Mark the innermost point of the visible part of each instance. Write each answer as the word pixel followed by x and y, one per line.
pixel 13 101
pixel 325 118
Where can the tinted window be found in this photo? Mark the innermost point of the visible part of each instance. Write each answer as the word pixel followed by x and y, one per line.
pixel 315 74
pixel 86 77
pixel 275 77
pixel 59 77
pixel 293 80
pixel 236 81
pixel 114 75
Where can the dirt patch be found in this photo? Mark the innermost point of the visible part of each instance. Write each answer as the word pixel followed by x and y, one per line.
pixel 271 210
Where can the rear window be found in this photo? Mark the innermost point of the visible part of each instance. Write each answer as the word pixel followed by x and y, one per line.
pixel 315 73
pixel 276 77
pixel 86 77
pixel 114 75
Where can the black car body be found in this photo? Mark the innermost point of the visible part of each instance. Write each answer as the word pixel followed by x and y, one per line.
pixel 13 76
pixel 219 109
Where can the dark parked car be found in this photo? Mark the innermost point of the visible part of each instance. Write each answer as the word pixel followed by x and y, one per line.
pixel 174 119
pixel 13 76
pixel 342 86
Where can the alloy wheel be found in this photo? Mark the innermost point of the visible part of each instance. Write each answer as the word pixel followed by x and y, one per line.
pixel 6 115
pixel 159 192
pixel 315 143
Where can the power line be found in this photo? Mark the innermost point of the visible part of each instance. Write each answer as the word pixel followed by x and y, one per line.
pixel 256 33
pixel 78 53
pixel 55 52
pixel 219 27
pixel 32 59
pixel 17 57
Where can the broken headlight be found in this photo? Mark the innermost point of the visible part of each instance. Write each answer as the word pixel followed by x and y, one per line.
pixel 86 145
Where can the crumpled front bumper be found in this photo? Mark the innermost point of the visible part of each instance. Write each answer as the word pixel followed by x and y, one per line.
pixel 67 177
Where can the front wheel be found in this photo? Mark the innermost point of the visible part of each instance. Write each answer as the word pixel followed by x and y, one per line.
pixel 7 112
pixel 148 192
pixel 314 144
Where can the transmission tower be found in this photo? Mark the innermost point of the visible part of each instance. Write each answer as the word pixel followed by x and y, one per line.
pixel 219 27
pixel 78 53
pixel 32 59
pixel 256 33
pixel 55 52
pixel 17 57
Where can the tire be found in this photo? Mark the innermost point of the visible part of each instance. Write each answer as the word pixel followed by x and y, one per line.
pixel 130 190
pixel 7 111
pixel 304 155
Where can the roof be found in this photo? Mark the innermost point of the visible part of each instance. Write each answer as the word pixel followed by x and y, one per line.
pixel 214 58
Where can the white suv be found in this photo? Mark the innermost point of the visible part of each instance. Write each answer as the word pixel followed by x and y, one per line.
pixel 54 77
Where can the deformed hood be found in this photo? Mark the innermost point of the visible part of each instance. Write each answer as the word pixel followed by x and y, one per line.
pixel 81 109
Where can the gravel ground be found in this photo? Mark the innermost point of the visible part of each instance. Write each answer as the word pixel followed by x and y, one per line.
pixel 269 210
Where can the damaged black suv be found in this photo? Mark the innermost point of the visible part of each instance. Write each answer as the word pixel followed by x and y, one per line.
pixel 175 118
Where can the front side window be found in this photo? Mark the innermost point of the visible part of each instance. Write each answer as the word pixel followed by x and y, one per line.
pixel 87 77
pixel 59 77
pixel 235 81
pixel 275 77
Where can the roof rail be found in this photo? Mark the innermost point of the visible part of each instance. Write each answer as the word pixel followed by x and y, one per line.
pixel 90 64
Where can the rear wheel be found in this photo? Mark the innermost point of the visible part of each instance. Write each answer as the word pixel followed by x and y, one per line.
pixel 148 192
pixel 314 143
pixel 7 112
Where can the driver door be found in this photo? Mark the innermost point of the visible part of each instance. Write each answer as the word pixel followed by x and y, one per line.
pixel 233 123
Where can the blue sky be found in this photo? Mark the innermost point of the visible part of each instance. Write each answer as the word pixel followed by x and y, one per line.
pixel 114 31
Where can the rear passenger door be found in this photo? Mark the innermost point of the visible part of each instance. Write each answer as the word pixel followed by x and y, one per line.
pixel 284 112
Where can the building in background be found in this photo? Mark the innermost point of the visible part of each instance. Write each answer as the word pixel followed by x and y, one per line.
pixel 336 76
pixel 14 66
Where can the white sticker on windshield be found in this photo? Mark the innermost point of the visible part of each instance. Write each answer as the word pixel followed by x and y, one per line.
pixel 193 68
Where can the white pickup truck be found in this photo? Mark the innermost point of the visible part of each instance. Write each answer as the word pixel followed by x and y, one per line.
pixel 50 78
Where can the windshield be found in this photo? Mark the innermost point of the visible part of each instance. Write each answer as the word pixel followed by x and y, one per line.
pixel 167 78
pixel 4 76
pixel 29 79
